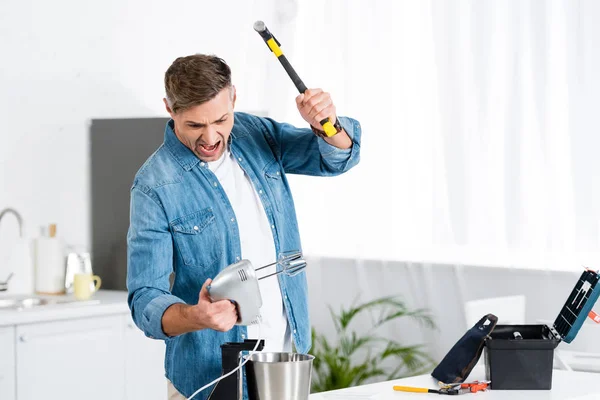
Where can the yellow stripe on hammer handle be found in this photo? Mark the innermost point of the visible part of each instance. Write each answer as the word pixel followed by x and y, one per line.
pixel 329 129
pixel 274 48
pixel 410 389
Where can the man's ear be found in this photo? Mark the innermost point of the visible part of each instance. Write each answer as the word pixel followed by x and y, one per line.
pixel 234 96
pixel 167 107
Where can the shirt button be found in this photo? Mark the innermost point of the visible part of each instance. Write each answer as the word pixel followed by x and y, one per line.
pixel 195 228
pixel 232 219
pixel 202 164
pixel 294 331
pixel 260 192
pixel 277 172
pixel 215 183
pixel 239 159
pixel 272 226
pixel 237 258
pixel 243 336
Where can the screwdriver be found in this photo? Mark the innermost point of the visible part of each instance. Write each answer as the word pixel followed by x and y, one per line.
pixel 411 389
pixel 261 28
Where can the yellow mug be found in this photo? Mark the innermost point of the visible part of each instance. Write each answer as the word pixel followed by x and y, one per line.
pixel 85 285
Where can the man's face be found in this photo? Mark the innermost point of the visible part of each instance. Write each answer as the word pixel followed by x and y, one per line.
pixel 205 128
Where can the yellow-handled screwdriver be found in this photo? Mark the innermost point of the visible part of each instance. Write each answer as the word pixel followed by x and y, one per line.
pixel 273 44
pixel 414 389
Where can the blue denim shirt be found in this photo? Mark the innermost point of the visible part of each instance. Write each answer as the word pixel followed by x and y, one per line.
pixel 181 222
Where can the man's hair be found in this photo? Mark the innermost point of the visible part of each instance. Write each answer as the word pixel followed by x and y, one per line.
pixel 194 80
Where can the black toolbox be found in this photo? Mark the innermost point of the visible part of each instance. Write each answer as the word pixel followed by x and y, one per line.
pixel 519 357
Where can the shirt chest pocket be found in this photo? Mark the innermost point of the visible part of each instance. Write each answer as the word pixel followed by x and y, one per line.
pixel 276 185
pixel 197 238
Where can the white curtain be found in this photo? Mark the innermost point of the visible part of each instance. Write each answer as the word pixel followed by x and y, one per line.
pixel 480 128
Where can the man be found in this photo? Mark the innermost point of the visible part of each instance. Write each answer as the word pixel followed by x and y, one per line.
pixel 213 193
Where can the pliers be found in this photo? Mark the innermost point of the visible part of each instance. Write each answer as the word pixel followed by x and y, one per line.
pixel 461 388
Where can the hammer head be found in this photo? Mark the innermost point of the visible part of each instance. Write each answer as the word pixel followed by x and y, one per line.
pixel 259 26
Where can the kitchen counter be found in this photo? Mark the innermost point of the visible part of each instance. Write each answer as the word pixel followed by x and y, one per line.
pixel 103 302
pixel 565 385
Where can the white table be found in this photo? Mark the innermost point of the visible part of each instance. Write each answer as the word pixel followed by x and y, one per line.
pixel 565 385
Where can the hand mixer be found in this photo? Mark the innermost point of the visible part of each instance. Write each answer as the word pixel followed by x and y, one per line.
pixel 239 283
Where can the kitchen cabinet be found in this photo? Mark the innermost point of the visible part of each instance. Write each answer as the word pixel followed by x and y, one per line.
pixel 88 352
pixel 71 360
pixel 144 365
pixel 7 362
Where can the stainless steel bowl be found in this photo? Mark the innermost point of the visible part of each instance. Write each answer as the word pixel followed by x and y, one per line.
pixel 278 376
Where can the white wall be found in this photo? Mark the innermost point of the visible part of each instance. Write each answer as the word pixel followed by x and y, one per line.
pixel 64 62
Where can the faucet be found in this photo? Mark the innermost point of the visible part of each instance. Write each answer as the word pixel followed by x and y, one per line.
pixel 17 215
pixel 4 285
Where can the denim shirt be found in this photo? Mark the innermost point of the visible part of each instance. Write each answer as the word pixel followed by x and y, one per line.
pixel 181 222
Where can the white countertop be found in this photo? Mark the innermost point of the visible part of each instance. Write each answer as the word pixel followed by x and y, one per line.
pixel 565 385
pixel 104 302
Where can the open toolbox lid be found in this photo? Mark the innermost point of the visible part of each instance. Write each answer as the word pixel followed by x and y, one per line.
pixel 577 307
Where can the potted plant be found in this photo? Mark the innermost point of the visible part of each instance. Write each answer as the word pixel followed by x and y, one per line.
pixel 335 367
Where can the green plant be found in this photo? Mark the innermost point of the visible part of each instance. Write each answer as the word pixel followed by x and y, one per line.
pixel 334 367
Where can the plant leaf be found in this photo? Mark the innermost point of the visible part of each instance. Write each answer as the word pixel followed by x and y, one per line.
pixel 346 316
pixel 420 316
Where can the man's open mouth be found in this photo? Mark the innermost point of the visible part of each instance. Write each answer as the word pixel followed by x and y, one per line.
pixel 209 150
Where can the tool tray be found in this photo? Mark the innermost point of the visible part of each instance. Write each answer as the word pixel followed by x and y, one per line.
pixel 526 362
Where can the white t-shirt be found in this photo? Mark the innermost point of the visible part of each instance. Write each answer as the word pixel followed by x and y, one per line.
pixel 257 246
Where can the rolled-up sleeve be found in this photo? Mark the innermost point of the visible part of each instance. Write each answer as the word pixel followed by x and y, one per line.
pixel 302 152
pixel 149 263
